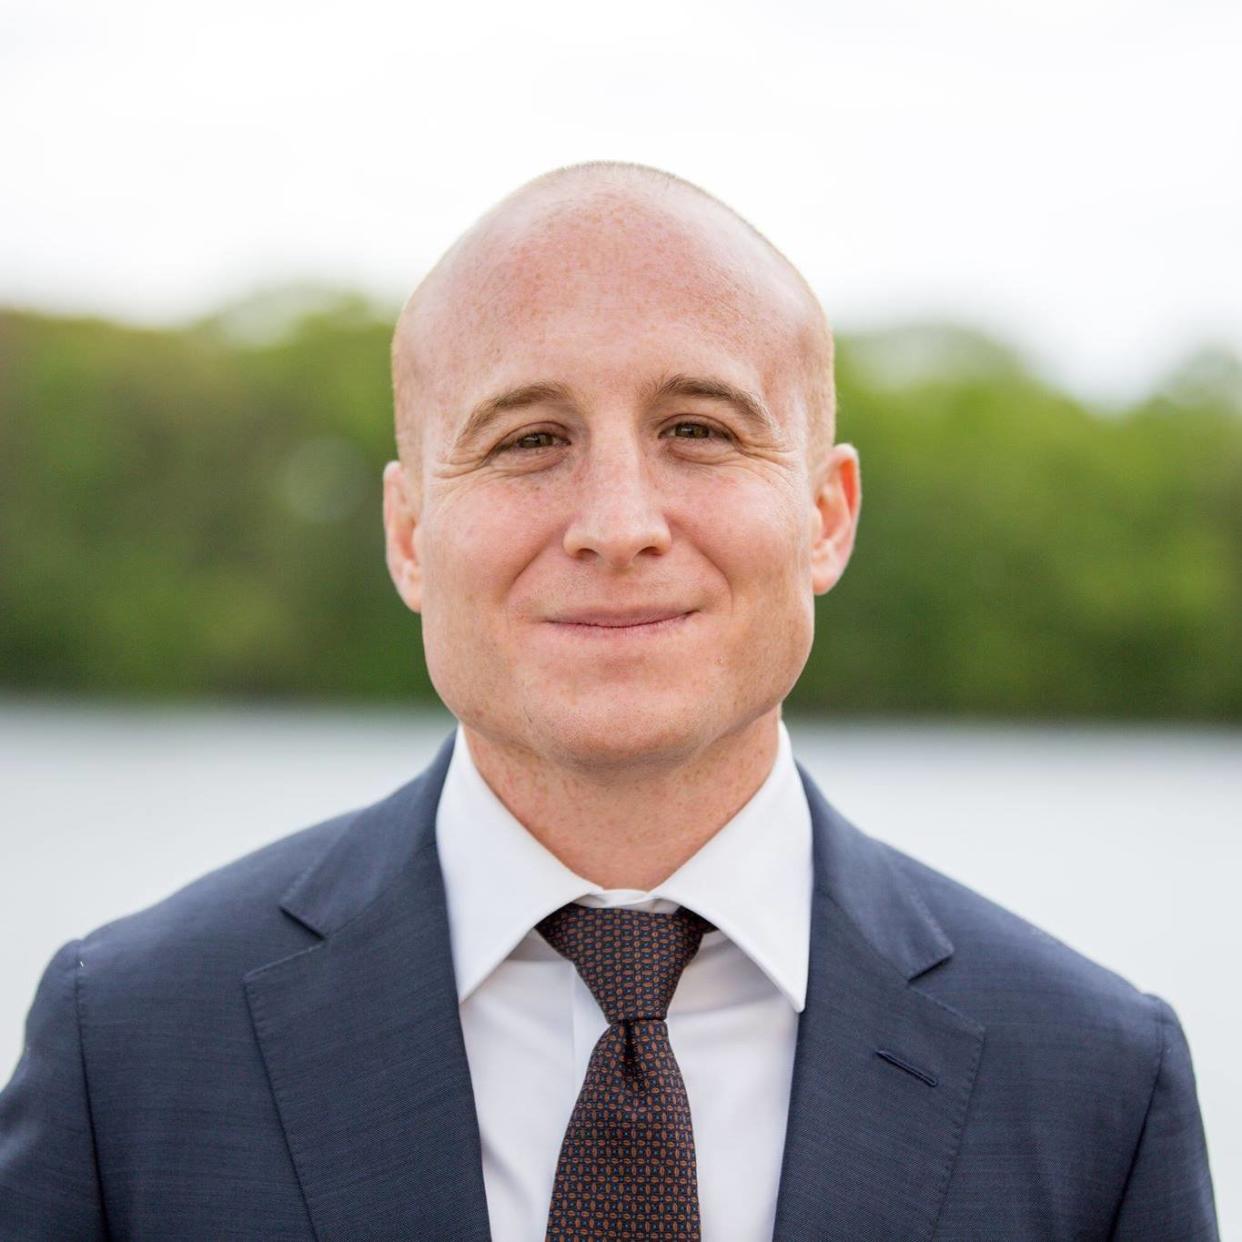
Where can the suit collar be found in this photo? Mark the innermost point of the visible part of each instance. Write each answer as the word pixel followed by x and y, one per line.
pixel 379 845
pixel 851 869
pixel 862 878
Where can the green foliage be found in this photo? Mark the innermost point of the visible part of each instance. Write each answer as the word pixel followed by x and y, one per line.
pixel 196 511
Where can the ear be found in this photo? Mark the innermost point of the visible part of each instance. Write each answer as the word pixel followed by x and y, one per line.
pixel 838 498
pixel 401 536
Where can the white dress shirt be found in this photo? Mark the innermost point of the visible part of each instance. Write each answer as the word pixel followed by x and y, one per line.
pixel 530 1023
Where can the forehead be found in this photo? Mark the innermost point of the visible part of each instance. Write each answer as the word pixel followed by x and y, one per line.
pixel 606 292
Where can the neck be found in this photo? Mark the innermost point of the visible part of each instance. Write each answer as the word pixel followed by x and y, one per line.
pixel 629 828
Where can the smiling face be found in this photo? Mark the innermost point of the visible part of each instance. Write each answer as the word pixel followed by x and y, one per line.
pixel 613 528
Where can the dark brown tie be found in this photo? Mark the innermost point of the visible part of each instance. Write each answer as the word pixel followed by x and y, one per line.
pixel 626 1168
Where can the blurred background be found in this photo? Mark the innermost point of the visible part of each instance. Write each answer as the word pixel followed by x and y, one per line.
pixel 1022 220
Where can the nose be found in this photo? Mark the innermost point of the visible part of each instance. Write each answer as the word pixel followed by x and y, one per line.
pixel 619 513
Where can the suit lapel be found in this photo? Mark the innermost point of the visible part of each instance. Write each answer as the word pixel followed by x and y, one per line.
pixel 361 1037
pixel 882 1072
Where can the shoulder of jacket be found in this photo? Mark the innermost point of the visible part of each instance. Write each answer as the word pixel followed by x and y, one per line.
pixel 1006 969
pixel 229 916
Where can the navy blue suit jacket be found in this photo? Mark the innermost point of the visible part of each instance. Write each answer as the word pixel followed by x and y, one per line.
pixel 274 1054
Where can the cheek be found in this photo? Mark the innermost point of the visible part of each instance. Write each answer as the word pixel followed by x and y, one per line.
pixel 757 538
pixel 477 545
pixel 754 533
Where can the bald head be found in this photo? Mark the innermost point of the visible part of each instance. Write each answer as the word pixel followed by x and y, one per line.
pixel 635 234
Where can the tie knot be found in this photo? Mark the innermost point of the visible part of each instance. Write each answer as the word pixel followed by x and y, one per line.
pixel 630 959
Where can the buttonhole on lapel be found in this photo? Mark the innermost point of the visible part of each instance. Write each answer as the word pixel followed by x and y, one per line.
pixel 922 1075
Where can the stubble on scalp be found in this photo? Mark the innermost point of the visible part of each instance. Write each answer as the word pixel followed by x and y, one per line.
pixel 587 195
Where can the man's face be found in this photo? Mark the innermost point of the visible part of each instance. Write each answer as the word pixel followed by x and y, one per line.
pixel 617 535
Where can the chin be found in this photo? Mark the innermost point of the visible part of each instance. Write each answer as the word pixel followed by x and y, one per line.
pixel 619 734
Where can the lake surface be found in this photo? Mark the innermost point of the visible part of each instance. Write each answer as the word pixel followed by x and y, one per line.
pixel 1125 843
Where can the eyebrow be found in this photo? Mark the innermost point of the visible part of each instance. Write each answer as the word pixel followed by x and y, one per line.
pixel 488 410
pixel 751 408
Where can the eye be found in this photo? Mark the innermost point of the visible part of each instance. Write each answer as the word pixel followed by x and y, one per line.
pixel 690 429
pixel 529 441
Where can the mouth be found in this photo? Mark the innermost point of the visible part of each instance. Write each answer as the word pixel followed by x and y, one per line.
pixel 619 623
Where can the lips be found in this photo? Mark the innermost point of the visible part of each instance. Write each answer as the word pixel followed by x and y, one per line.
pixel 616 618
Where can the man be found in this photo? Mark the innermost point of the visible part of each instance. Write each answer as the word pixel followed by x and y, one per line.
pixel 611 967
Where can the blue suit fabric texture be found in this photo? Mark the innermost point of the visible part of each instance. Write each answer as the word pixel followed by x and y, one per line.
pixel 274 1053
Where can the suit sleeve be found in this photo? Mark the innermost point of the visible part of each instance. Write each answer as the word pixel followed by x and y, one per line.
pixel 49 1185
pixel 1168 1192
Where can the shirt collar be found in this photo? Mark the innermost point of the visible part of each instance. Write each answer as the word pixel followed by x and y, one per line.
pixel 752 879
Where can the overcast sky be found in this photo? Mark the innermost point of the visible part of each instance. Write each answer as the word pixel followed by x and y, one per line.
pixel 1066 174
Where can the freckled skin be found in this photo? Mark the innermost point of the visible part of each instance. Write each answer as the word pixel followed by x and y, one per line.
pixel 622 755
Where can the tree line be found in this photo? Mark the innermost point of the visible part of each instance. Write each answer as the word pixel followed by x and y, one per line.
pixel 194 511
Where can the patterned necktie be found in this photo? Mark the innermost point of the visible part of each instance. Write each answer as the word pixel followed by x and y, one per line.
pixel 626 1168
